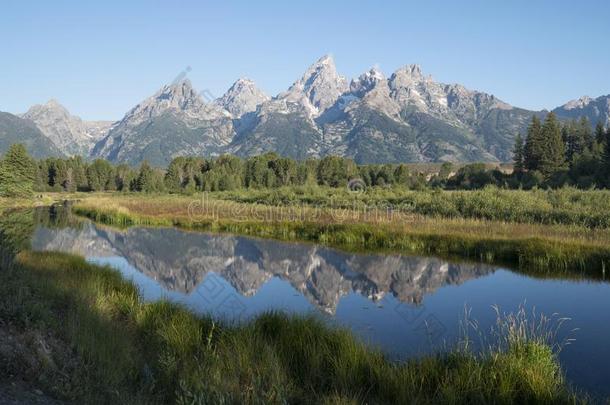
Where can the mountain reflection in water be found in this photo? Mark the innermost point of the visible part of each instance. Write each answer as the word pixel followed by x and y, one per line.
pixel 180 261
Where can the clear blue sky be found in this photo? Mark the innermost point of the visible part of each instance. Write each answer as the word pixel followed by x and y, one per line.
pixel 101 59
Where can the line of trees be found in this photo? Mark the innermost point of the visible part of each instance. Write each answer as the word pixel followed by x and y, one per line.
pixel 554 154
pixel 226 172
pixel 550 155
pixel 21 175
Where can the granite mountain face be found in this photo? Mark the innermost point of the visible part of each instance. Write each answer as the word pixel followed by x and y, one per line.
pixel 595 109
pixel 69 134
pixel 406 117
pixel 14 129
pixel 173 122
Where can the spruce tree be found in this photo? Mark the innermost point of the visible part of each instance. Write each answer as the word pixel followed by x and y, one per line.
pixel 149 180
pixel 605 166
pixel 600 134
pixel 534 145
pixel 585 135
pixel 518 154
pixel 552 159
pixel 17 173
pixel 175 178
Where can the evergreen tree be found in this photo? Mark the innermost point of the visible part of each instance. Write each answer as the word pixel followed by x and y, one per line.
pixel 149 180
pixel 577 139
pixel 124 177
pixel 534 145
pixel 79 172
pixel 335 171
pixel 552 159
pixel 605 166
pixel 17 173
pixel 518 154
pixel 599 132
pixel 585 136
pixel 100 176
pixel 176 178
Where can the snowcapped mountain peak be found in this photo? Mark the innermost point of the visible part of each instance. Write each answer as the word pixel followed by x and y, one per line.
pixel 578 103
pixel 367 81
pixel 242 97
pixel 595 109
pixel 319 88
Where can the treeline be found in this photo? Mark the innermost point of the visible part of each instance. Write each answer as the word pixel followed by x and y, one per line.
pixel 555 154
pixel 550 155
pixel 227 172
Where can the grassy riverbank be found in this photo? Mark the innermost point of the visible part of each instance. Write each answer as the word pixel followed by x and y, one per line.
pixel 94 340
pixel 566 250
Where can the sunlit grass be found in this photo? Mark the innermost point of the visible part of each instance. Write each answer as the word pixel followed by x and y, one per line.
pixel 571 249
pixel 135 352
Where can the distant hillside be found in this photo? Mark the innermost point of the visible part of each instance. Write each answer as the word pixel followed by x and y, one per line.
pixel 18 130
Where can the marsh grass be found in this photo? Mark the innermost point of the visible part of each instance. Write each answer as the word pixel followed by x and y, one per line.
pixel 565 206
pixel 129 351
pixel 544 250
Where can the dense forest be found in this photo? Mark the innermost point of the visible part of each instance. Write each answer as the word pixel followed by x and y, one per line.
pixel 554 154
pixel 549 155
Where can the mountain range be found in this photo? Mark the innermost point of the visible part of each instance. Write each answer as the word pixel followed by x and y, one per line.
pixel 406 117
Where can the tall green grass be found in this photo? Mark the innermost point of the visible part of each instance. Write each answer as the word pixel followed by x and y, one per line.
pixel 128 351
pixel 539 256
pixel 568 206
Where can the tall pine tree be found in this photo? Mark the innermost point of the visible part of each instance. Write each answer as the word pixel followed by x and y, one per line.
pixel 534 145
pixel 605 166
pixel 17 173
pixel 600 134
pixel 552 159
pixel 518 154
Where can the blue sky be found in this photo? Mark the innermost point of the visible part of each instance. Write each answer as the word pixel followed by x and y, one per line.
pixel 101 59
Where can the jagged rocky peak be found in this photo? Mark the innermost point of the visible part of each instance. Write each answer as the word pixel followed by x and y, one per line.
pixel 407 75
pixel 367 81
pixel 69 133
pixel 319 88
pixel 578 103
pixel 179 98
pixel 594 109
pixel 409 86
pixel 52 107
pixel 242 97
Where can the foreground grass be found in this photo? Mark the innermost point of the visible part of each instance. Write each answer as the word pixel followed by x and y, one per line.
pixel 550 250
pixel 125 350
